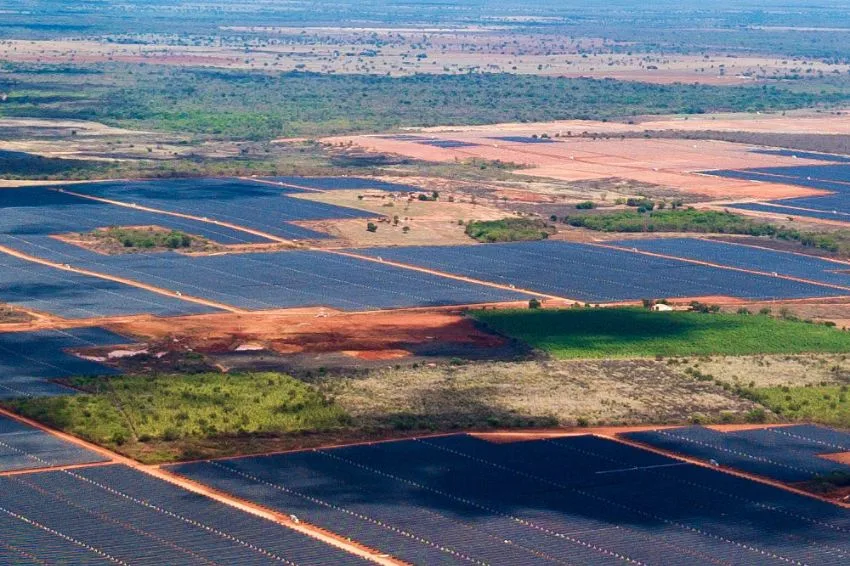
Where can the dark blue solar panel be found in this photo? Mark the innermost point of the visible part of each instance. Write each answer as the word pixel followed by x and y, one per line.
pixel 72 295
pixel 258 206
pixel 447 144
pixel 805 155
pixel 777 453
pixel 112 514
pixel 524 139
pixel 777 207
pixel 343 183
pixel 43 211
pixel 28 360
pixel 285 279
pixel 592 273
pixel 834 178
pixel 24 447
pixel 747 257
pixel 579 500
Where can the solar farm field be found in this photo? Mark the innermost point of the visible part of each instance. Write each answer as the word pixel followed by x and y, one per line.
pixel 747 257
pixel 249 204
pixel 40 211
pixel 287 279
pixel 115 515
pixel 834 178
pixel 24 447
pixel 788 454
pixel 342 183
pixel 29 360
pixel 594 274
pixel 73 295
pixel 576 500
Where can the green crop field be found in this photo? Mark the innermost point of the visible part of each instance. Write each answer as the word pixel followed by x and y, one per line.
pixel 633 332
pixel 138 409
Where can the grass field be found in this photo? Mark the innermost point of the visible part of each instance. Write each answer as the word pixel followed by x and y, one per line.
pixel 126 410
pixel 632 332
pixel 826 404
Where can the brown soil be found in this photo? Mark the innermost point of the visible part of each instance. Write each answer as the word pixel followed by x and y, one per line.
pixel 840 457
pixel 368 336
pixel 13 315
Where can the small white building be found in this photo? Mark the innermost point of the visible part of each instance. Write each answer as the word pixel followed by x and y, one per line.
pixel 660 307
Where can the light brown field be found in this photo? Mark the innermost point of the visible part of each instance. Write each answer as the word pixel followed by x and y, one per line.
pixel 557 393
pixel 671 163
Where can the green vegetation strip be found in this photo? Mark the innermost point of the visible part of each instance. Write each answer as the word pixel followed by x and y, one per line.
pixel 826 404
pixel 704 222
pixel 633 332
pixel 508 230
pixel 258 105
pixel 125 409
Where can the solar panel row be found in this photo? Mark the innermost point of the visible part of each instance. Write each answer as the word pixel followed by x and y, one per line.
pixel 834 178
pixel 72 295
pixel 44 211
pixel 24 447
pixel 29 360
pixel 748 257
pixel 579 500
pixel 258 206
pixel 112 514
pixel 783 454
pixel 592 273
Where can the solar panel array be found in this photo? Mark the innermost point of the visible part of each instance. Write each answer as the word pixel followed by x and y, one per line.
pixel 23 447
pixel 258 206
pixel 593 273
pixel 34 211
pixel 805 155
pixel 834 178
pixel 524 139
pixel 343 183
pixel 284 279
pixel 30 360
pixel 115 515
pixel 747 257
pixel 73 295
pixel 578 500
pixel 787 454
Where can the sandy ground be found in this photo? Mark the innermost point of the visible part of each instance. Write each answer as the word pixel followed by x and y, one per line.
pixel 428 222
pixel 671 163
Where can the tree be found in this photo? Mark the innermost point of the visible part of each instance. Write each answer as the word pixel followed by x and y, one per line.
pixel 371 227
pixel 534 304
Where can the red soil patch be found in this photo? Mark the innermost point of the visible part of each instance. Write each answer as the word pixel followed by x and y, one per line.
pixel 378 335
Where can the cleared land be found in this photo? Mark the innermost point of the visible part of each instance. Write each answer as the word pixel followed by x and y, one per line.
pixel 597 333
pixel 529 394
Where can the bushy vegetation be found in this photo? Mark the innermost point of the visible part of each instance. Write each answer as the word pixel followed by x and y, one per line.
pixel 703 222
pixel 146 238
pixel 632 332
pixel 509 230
pixel 129 409
pixel 827 404
pixel 252 105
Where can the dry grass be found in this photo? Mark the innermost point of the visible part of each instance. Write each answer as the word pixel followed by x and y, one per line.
pixel 531 393
pixel 776 371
